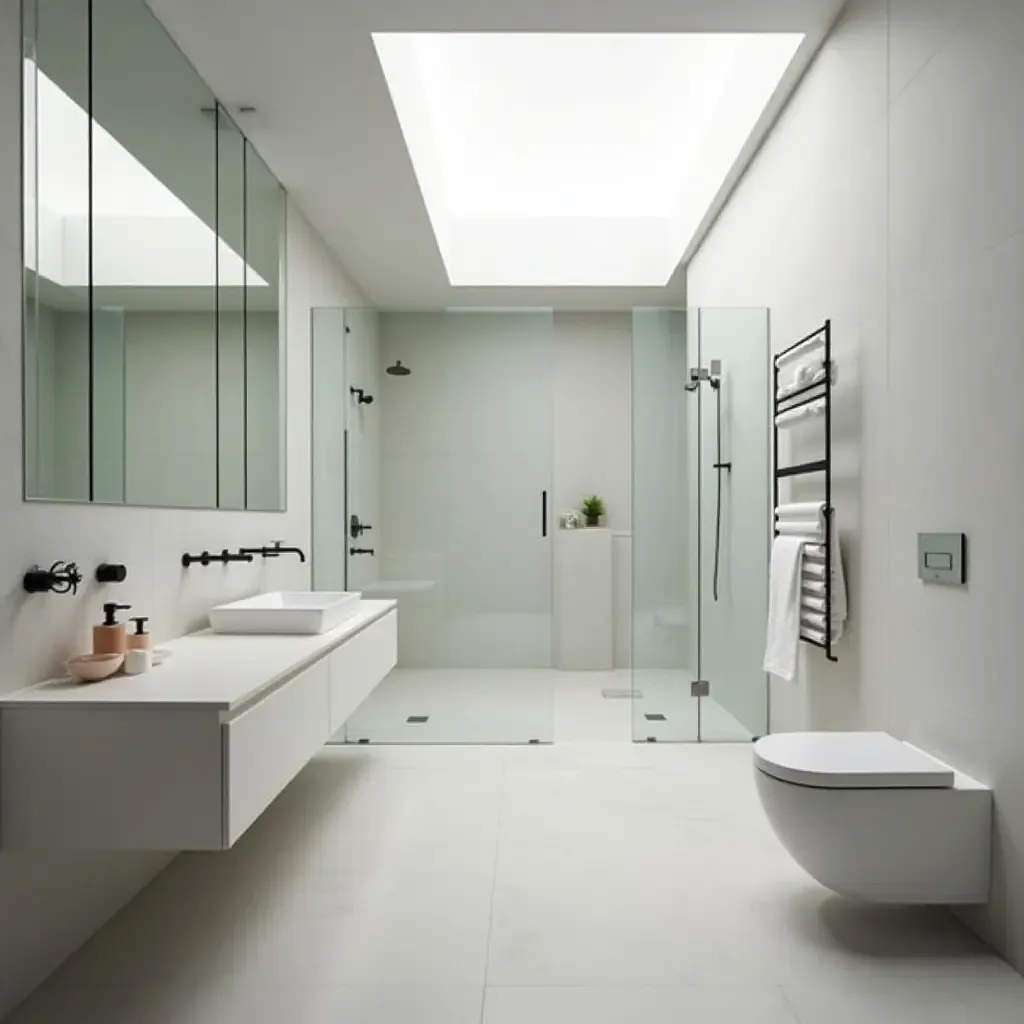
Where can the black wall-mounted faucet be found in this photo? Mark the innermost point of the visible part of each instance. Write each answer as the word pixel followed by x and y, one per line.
pixel 206 558
pixel 355 528
pixel 362 398
pixel 60 578
pixel 275 551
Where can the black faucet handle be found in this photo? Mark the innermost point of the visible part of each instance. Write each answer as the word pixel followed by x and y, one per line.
pixel 111 572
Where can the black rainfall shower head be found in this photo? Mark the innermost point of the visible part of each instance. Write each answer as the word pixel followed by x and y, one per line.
pixel 398 370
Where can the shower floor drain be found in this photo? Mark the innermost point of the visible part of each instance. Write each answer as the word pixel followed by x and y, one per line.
pixel 621 693
pixel 417 719
pixel 655 716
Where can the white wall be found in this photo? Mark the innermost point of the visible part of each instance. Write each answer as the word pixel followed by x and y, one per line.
pixel 51 904
pixel 593 437
pixel 889 198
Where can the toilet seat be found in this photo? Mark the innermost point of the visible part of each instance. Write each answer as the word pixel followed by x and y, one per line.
pixel 849 760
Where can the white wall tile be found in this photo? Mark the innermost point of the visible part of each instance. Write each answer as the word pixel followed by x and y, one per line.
pixel 907 232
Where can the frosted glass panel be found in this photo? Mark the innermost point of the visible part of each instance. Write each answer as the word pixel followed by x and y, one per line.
pixel 664 534
pixel 733 625
pixel 363 420
pixel 700 523
pixel 464 465
pixel 329 395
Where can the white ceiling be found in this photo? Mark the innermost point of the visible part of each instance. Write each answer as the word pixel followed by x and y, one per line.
pixel 326 124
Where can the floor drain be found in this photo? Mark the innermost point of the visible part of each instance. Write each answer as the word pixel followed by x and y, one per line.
pixel 621 693
pixel 655 716
pixel 417 719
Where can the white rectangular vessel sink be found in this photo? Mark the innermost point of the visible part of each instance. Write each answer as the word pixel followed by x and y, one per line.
pixel 286 612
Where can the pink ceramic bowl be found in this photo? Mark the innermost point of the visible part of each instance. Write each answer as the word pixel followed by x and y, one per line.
pixel 91 668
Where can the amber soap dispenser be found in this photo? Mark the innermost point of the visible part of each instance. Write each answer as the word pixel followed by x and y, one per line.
pixel 139 640
pixel 110 636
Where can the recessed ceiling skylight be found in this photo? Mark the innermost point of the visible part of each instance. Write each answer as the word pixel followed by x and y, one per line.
pixel 561 160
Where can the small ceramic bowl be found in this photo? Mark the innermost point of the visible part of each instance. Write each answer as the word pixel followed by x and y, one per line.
pixel 91 668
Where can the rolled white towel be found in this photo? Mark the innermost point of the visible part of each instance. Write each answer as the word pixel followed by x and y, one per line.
pixel 809 373
pixel 791 416
pixel 814 619
pixel 797 528
pixel 812 586
pixel 810 633
pixel 813 570
pixel 815 604
pixel 800 510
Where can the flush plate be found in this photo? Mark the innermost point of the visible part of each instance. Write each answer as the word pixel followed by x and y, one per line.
pixel 941 558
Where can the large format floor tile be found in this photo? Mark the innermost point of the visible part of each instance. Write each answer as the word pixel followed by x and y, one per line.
pixel 629 1004
pixel 597 882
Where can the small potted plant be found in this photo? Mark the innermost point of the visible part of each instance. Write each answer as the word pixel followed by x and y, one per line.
pixel 593 508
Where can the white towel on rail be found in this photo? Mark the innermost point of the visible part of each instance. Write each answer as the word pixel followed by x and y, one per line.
pixel 800 510
pixel 801 412
pixel 814 634
pixel 783 637
pixel 808 373
pixel 812 533
pixel 812 582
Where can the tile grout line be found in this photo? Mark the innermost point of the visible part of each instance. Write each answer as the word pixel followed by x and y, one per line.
pixel 789 1002
pixel 494 884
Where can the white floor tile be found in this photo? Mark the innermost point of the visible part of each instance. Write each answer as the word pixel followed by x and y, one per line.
pixel 331 1004
pixel 627 1005
pixel 595 881
pixel 520 705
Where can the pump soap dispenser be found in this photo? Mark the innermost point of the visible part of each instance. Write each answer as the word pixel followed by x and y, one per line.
pixel 140 640
pixel 109 637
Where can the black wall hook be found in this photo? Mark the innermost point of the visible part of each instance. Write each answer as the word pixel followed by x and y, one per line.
pixel 111 572
pixel 60 578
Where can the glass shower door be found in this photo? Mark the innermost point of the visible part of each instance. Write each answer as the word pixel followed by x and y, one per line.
pixel 664 543
pixel 330 536
pixel 733 497
pixel 700 524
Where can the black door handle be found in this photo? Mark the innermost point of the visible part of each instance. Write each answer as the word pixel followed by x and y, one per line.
pixel 543 513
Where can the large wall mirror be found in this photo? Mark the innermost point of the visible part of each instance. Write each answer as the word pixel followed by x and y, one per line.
pixel 154 355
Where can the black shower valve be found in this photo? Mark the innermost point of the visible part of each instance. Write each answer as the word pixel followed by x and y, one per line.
pixel 111 572
pixel 60 578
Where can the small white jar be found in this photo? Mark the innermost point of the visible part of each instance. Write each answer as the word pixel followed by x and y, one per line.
pixel 138 661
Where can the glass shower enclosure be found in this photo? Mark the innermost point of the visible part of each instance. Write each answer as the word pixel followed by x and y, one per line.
pixel 432 461
pixel 701 480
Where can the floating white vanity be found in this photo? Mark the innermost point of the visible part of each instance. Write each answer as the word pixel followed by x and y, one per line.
pixel 187 756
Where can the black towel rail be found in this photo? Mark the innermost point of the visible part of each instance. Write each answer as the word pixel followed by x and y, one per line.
pixel 796 399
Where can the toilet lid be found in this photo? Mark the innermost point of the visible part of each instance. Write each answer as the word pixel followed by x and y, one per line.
pixel 849 760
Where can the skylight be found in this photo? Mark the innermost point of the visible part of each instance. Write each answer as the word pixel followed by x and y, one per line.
pixel 585 160
pixel 143 234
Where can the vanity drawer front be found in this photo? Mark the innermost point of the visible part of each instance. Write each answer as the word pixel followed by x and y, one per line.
pixel 359 664
pixel 268 745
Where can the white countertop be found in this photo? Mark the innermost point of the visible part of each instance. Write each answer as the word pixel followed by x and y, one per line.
pixel 206 670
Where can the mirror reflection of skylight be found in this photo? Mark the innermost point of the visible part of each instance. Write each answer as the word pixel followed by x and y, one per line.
pixel 575 160
pixel 143 234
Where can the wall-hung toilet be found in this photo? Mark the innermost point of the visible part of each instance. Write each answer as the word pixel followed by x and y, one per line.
pixel 875 819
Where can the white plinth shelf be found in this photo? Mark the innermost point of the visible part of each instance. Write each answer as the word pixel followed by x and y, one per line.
pixel 584 618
